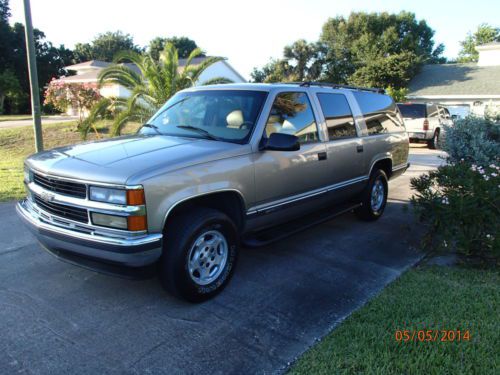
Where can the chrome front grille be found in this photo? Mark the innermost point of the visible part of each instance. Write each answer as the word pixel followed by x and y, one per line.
pixel 68 212
pixel 72 189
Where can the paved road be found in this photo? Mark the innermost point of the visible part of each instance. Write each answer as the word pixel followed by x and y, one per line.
pixel 45 120
pixel 57 318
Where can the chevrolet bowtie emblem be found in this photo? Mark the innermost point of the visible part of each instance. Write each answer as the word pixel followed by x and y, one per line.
pixel 47 197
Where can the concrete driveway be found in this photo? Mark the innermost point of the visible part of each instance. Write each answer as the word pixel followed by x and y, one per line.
pixel 57 318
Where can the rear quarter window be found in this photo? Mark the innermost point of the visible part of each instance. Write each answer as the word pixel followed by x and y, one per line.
pixel 380 112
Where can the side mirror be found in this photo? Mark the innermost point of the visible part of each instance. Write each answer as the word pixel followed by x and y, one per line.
pixel 281 142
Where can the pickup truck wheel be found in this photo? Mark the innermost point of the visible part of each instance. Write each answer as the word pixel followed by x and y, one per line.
pixel 433 143
pixel 199 254
pixel 374 198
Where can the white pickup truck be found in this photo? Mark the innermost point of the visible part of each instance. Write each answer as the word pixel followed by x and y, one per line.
pixel 424 122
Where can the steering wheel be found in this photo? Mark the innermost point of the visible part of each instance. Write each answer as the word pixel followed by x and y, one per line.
pixel 245 124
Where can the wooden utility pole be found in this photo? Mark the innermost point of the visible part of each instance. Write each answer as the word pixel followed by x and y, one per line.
pixel 35 93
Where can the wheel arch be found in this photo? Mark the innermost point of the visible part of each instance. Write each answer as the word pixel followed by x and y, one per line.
pixel 384 163
pixel 228 201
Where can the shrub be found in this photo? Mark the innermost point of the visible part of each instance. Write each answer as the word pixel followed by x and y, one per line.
pixel 473 139
pixel 460 201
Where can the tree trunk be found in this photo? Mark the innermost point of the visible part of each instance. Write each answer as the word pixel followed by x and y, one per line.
pixel 2 101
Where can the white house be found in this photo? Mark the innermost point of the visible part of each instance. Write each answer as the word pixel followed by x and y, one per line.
pixel 88 72
pixel 462 88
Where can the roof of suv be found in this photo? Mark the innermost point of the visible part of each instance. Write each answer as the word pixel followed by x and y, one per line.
pixel 245 86
pixel 281 85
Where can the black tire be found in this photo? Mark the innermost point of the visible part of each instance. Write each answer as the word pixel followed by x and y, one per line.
pixel 180 237
pixel 433 143
pixel 367 212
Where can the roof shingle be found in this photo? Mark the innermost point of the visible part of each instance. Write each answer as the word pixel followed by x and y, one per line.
pixel 456 79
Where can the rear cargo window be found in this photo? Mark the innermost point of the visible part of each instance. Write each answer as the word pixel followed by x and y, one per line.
pixel 338 116
pixel 413 110
pixel 380 113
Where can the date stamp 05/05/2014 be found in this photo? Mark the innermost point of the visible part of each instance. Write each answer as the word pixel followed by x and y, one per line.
pixel 432 335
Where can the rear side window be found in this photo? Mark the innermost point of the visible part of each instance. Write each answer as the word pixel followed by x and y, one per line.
pixel 338 116
pixel 433 111
pixel 380 113
pixel 292 114
pixel 413 110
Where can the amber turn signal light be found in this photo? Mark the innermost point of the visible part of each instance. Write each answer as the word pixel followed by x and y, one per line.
pixel 135 197
pixel 137 223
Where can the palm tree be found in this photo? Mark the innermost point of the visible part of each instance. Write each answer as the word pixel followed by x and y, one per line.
pixel 150 83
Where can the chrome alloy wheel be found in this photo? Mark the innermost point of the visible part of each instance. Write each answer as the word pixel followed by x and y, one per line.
pixel 377 195
pixel 207 257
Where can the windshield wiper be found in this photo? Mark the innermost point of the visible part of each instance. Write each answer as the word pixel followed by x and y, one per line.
pixel 200 131
pixel 152 127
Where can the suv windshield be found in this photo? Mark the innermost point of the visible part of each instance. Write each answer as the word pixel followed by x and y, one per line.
pixel 413 110
pixel 227 115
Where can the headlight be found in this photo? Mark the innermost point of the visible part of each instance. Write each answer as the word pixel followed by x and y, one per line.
pixel 27 174
pixel 131 197
pixel 108 195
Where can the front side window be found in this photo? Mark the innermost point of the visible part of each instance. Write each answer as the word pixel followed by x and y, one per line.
pixel 338 116
pixel 227 115
pixel 291 113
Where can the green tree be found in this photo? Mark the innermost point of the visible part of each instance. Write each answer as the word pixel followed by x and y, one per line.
pixel 364 40
pixel 184 46
pixel 150 87
pixel 301 61
pixel 399 95
pixel 105 46
pixel 4 33
pixel 484 34
pixel 9 87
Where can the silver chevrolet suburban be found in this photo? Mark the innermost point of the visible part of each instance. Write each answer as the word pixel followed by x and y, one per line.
pixel 216 167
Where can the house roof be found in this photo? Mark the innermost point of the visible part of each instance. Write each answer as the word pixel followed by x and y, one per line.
pixel 92 69
pixel 90 76
pixel 89 64
pixel 456 79
pixel 99 64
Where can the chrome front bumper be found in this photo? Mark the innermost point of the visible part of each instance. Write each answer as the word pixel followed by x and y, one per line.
pixel 136 251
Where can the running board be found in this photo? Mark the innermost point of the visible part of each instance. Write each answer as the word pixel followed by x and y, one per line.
pixel 270 235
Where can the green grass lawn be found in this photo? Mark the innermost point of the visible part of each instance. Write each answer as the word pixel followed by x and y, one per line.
pixel 18 143
pixel 423 298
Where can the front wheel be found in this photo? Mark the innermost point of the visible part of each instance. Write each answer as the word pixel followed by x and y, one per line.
pixel 199 254
pixel 374 198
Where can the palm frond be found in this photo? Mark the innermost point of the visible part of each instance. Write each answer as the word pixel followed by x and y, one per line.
pixel 120 75
pixel 98 111
pixel 217 81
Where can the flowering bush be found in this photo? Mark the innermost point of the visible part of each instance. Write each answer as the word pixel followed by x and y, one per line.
pixel 80 96
pixel 460 201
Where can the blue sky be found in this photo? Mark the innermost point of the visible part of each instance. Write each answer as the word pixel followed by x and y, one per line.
pixel 247 32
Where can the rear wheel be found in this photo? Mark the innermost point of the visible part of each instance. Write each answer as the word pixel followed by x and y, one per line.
pixel 433 143
pixel 199 254
pixel 374 198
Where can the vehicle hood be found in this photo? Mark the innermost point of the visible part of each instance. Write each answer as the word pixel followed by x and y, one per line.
pixel 122 159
